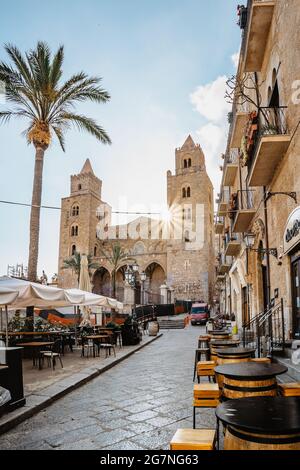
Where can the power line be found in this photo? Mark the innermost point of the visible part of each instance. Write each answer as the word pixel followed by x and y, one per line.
pixel 58 208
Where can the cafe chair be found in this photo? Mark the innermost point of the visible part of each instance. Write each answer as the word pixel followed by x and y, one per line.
pixel 194 439
pixel 206 369
pixel 108 347
pixel 88 348
pixel 53 354
pixel 289 389
pixel 206 395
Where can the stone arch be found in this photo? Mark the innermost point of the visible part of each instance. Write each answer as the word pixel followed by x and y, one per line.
pixel 139 248
pixel 156 277
pixel 120 282
pixel 102 282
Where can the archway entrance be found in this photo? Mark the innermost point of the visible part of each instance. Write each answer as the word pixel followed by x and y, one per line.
pixel 120 281
pixel 102 282
pixel 156 277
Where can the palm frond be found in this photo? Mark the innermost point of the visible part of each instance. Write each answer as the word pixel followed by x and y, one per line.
pixel 87 124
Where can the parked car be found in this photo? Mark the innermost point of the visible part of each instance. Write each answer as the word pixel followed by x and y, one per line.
pixel 199 314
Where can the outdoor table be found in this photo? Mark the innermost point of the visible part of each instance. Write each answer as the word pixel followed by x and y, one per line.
pixel 261 423
pixel 249 379
pixel 220 334
pixel 36 347
pixel 234 355
pixel 221 343
pixel 96 340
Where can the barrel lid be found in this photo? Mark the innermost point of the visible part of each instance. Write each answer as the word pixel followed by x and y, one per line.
pixel 273 415
pixel 250 370
pixel 235 352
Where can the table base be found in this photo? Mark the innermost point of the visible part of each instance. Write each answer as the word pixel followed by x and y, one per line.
pixel 236 439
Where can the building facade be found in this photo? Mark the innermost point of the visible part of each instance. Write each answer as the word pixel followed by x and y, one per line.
pixel 177 252
pixel 258 219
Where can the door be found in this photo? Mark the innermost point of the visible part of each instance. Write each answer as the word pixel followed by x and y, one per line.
pixel 245 309
pixel 265 286
pixel 296 297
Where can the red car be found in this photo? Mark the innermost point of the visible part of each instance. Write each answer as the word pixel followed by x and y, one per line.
pixel 199 314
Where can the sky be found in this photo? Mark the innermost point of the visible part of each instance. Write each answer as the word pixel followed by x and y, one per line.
pixel 165 64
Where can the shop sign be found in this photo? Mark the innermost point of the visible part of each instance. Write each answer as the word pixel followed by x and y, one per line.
pixel 292 231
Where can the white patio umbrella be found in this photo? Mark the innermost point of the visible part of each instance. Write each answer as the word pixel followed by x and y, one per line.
pixel 8 296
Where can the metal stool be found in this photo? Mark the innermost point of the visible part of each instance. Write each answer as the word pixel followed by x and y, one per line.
pixel 198 355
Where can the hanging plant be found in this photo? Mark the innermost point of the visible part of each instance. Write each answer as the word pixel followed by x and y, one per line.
pixel 244 156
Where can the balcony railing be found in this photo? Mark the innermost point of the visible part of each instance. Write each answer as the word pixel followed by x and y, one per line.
pixel 232 157
pixel 242 210
pixel 267 140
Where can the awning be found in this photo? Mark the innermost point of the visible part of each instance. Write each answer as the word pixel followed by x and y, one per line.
pixel 17 293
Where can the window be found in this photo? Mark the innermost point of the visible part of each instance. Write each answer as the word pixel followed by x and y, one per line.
pixel 188 192
pixel 95 251
pixel 79 187
pixel 186 236
pixel 185 164
pixel 189 214
pixel 190 162
pixel 183 192
pixel 75 211
pixel 74 231
pixel 73 250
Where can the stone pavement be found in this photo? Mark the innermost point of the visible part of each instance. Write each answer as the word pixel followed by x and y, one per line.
pixel 138 404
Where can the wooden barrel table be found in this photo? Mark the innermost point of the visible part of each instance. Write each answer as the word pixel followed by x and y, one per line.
pixel 221 344
pixel 261 423
pixel 220 334
pixel 249 379
pixel 232 356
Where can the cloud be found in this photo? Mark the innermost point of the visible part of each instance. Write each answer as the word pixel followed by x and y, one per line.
pixel 212 138
pixel 235 59
pixel 209 100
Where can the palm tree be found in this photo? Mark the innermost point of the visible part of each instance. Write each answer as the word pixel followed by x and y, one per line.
pixel 74 263
pixel 35 91
pixel 115 257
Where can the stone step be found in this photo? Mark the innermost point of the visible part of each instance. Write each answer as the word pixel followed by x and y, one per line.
pixel 171 324
pixel 293 373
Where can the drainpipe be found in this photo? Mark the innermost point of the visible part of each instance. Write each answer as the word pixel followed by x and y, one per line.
pixel 267 247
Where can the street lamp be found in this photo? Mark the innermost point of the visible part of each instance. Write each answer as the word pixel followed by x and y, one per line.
pixel 250 240
pixel 143 277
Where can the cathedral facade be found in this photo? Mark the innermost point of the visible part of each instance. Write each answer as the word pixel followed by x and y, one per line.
pixel 177 252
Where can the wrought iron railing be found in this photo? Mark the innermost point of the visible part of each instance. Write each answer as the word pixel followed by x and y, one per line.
pixel 266 332
pixel 269 121
pixel 232 156
pixel 242 200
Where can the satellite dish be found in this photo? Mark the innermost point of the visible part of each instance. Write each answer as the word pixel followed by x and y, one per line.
pixel 296 357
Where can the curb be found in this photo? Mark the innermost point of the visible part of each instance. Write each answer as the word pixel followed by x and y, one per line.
pixel 37 402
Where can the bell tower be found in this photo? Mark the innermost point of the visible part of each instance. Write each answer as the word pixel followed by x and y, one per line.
pixel 191 244
pixel 80 215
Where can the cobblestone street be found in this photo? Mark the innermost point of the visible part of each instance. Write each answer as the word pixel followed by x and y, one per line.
pixel 138 404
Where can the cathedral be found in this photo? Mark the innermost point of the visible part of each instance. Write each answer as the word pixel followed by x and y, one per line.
pixel 175 253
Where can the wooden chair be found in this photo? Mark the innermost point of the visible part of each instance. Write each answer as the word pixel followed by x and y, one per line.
pixel 205 396
pixel 194 439
pixel 206 369
pixel 291 389
pixel 198 356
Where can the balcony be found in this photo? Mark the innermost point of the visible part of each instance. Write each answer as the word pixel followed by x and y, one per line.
pixel 239 121
pixel 225 263
pixel 232 245
pixel 219 225
pixel 231 167
pixel 259 20
pixel 242 210
pixel 270 144
pixel 223 203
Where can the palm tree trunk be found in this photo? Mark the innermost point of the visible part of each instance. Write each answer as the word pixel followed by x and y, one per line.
pixel 35 213
pixel 114 284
